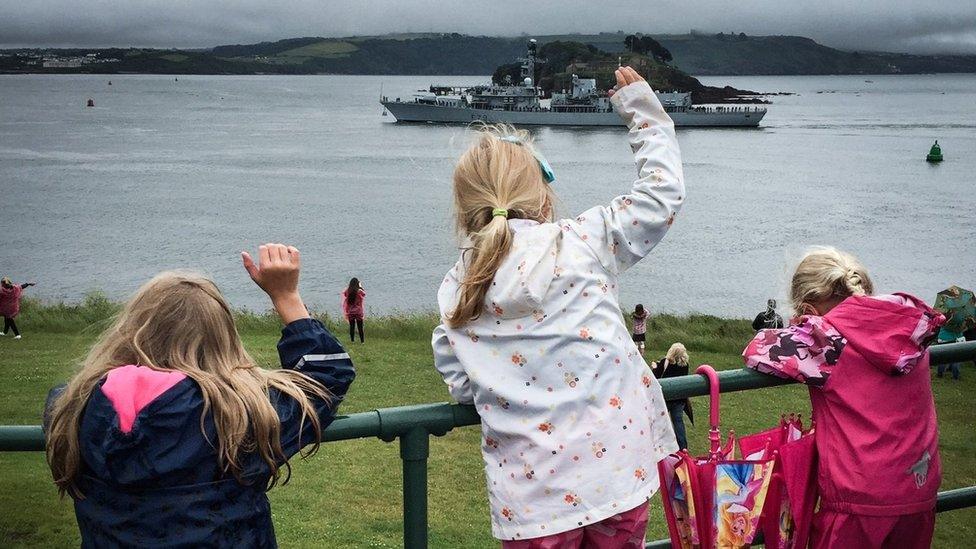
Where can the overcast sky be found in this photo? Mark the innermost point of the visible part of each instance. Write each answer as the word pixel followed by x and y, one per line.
pixel 920 26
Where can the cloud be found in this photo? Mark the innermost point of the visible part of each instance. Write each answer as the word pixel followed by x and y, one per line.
pixel 897 25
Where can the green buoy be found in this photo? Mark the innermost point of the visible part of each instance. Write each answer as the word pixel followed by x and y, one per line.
pixel 935 153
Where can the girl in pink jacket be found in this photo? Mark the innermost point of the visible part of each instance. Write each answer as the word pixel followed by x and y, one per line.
pixel 354 308
pixel 10 304
pixel 865 361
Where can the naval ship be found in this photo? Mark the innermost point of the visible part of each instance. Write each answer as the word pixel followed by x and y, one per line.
pixel 523 104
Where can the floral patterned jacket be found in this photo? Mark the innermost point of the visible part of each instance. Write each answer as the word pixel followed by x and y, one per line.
pixel 573 421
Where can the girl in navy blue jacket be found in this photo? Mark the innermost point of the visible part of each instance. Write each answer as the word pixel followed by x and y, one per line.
pixel 171 434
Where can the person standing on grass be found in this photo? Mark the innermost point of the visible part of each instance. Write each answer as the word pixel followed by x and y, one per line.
pixel 674 364
pixel 171 434
pixel 639 317
pixel 768 319
pixel 354 308
pixel 10 304
pixel 865 361
pixel 573 421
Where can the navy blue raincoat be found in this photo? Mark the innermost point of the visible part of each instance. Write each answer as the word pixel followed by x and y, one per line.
pixel 155 481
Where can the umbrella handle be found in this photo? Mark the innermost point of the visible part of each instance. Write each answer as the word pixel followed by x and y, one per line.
pixel 714 435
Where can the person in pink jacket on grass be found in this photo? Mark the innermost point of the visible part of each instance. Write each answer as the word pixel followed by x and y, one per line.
pixel 354 308
pixel 10 304
pixel 866 363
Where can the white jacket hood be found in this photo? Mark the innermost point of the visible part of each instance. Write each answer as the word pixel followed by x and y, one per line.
pixel 524 276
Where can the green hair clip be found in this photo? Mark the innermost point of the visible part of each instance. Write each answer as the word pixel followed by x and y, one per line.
pixel 499 212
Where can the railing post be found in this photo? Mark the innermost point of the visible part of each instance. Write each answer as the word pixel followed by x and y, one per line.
pixel 414 451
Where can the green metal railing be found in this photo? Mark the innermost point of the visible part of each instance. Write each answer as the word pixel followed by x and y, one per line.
pixel 414 425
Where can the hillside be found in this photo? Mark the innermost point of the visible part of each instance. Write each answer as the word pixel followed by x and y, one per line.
pixel 563 59
pixel 456 54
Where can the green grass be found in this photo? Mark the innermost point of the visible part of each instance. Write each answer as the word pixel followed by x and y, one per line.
pixel 349 494
pixel 174 57
pixel 325 48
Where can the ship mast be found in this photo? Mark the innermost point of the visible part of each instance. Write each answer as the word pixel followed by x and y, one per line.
pixel 528 64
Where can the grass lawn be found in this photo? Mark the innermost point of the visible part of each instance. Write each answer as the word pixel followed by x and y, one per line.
pixel 349 494
pixel 325 48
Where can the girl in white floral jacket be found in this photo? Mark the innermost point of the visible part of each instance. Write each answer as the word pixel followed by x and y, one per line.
pixel 573 421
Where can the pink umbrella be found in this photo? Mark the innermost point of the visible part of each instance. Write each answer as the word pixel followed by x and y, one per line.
pixel 792 495
pixel 714 501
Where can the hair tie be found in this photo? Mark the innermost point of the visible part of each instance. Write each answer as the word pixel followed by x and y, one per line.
pixel 499 212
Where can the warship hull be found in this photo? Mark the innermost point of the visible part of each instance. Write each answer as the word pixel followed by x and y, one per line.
pixel 405 111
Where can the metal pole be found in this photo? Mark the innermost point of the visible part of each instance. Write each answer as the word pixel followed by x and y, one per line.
pixel 957 498
pixel 414 451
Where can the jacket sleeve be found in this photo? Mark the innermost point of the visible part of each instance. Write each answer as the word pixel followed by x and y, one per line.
pixel 307 346
pixel 622 233
pixel 450 367
pixel 758 323
pixel 805 352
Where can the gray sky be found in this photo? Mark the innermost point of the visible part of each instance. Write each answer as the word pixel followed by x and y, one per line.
pixel 918 26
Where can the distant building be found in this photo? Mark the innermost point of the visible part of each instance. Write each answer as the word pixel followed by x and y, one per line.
pixel 61 63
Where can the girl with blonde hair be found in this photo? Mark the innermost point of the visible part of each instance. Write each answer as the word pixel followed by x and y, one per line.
pixel 865 361
pixel 170 434
pixel 573 421
pixel 674 364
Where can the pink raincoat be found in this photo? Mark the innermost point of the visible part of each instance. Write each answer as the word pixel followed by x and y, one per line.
pixel 10 301
pixel 357 309
pixel 866 364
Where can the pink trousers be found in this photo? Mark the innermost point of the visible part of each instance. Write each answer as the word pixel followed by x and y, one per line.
pixel 865 532
pixel 622 531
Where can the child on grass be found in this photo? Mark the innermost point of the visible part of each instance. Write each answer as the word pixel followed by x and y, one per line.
pixel 865 361
pixel 639 317
pixel 354 308
pixel 10 304
pixel 675 364
pixel 532 333
pixel 170 434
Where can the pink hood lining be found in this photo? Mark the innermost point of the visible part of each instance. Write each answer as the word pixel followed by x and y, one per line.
pixel 131 388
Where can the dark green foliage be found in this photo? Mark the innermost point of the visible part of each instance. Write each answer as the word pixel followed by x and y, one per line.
pixel 509 73
pixel 646 45
pixel 723 53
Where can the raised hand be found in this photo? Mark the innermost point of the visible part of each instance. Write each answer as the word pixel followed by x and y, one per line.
pixel 277 273
pixel 625 76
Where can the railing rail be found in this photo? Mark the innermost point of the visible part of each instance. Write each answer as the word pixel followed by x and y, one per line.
pixel 414 425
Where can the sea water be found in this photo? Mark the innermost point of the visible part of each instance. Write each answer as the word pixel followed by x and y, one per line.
pixel 172 172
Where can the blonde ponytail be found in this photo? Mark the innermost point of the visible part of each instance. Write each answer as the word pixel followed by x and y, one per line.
pixel 825 273
pixel 495 180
